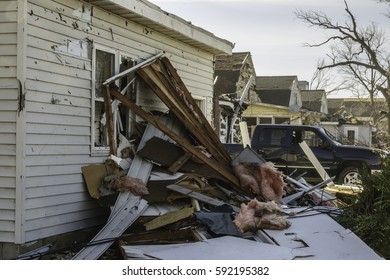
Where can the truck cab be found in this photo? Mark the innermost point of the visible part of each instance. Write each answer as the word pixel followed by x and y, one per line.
pixel 280 144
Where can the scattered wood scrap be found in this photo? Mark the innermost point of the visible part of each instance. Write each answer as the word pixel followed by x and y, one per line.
pixel 175 176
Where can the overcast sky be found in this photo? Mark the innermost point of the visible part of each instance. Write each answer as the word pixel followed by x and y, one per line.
pixel 270 30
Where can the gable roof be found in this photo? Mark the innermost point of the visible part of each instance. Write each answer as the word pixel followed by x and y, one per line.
pixel 150 15
pixel 312 99
pixel 275 82
pixel 275 89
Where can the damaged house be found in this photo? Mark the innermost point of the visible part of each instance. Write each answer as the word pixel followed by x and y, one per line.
pixel 105 122
pixel 234 83
pixel 54 56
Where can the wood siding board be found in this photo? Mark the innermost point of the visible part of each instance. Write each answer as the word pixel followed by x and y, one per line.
pixel 7 60
pixel 8 71
pixel 58 210
pixel 59 99
pixel 53 170
pixel 55 129
pixel 6 105
pixel 53 79
pixel 7 38
pixel 7 204
pixel 8 182
pixel 64 159
pixel 57 180
pixel 7 215
pixel 7 226
pixel 9 83
pixel 50 150
pixel 8 15
pixel 8 49
pixel 56 89
pixel 7 138
pixel 7 161
pixel 37 117
pixel 7 150
pixel 7 193
pixel 11 27
pixel 8 94
pixel 42 232
pixel 65 70
pixel 58 109
pixel 39 140
pixel 7 170
pixel 42 202
pixel 36 192
pixel 7 237
pixel 7 116
pixel 6 127
pixel 71 62
pixel 8 5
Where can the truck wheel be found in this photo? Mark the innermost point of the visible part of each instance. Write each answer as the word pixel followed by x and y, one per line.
pixel 350 176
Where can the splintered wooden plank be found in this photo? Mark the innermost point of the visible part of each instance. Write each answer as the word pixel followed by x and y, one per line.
pixel 169 218
pixel 179 162
pixel 177 98
pixel 317 165
pixel 222 169
pixel 187 95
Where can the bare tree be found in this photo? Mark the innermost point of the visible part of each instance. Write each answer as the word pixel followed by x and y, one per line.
pixel 326 79
pixel 361 54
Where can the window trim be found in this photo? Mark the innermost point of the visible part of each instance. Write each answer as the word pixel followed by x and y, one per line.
pixel 98 150
pixel 117 61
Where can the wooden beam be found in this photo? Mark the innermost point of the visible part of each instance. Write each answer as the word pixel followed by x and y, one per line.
pixel 222 169
pixel 109 119
pixel 208 129
pixel 169 218
pixel 179 162
pixel 165 82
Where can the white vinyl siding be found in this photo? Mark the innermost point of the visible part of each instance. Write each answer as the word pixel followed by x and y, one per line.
pixel 9 92
pixel 58 109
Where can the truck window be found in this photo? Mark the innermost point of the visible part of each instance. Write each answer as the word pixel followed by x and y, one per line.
pixel 311 138
pixel 278 137
pixel 273 137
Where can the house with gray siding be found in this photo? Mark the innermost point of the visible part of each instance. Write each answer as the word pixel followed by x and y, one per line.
pixel 54 55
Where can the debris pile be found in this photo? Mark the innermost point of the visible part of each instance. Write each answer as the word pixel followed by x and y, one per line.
pixel 178 187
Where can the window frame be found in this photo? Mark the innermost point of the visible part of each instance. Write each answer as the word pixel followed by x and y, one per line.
pixel 95 150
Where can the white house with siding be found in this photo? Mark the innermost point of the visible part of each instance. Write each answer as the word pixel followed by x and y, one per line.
pixel 53 57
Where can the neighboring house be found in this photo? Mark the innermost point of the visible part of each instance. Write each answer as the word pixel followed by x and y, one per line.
pixel 232 75
pixel 280 90
pixel 349 133
pixel 263 113
pixel 280 102
pixel 54 55
pixel 356 119
pixel 316 103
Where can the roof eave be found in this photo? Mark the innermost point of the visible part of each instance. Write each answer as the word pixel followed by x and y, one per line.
pixel 152 16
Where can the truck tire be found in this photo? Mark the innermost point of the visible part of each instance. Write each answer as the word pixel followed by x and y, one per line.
pixel 350 175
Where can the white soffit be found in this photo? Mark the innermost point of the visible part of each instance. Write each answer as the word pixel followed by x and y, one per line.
pixel 153 17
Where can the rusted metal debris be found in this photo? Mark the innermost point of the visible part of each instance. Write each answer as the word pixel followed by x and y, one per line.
pixel 182 180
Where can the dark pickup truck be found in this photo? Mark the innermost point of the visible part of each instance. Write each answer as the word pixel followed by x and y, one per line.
pixel 280 144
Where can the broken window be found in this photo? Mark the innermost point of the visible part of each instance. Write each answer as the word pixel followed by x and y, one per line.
pixel 107 63
pixel 127 86
pixel 104 69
